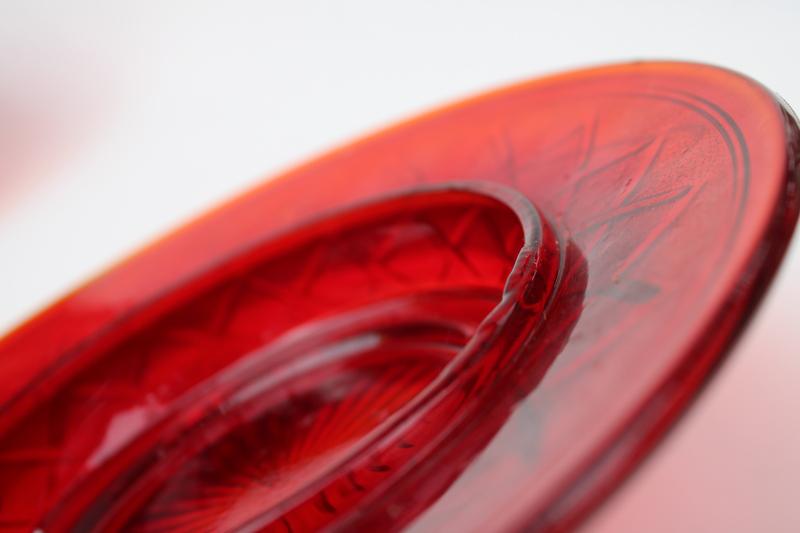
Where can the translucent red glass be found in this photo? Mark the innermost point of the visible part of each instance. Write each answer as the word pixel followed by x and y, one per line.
pixel 481 319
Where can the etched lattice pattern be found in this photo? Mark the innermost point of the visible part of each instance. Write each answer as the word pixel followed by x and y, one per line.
pixel 457 246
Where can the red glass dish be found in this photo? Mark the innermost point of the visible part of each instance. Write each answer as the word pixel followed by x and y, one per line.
pixel 481 319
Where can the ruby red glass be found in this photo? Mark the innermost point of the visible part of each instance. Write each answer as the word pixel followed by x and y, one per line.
pixel 478 320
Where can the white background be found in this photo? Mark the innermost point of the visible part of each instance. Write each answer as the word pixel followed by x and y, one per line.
pixel 120 120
